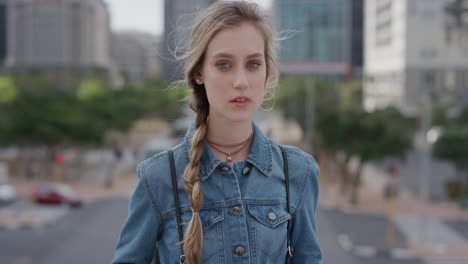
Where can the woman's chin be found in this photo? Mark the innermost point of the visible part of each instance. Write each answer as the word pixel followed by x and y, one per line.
pixel 240 117
pixel 232 115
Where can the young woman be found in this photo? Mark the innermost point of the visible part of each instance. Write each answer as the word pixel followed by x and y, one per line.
pixel 231 200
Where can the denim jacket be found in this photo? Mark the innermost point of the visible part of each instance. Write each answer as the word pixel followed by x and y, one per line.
pixel 244 215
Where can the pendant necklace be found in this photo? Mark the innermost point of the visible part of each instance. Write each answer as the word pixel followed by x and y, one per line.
pixel 229 154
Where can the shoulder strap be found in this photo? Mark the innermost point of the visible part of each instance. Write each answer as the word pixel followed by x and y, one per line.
pixel 177 204
pixel 286 176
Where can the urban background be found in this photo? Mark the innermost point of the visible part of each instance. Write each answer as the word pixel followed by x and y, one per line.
pixel 376 90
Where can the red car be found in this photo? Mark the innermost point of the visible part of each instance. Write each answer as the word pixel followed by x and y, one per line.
pixel 56 193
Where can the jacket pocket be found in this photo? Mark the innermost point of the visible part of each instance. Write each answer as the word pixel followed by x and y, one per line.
pixel 270 230
pixel 210 217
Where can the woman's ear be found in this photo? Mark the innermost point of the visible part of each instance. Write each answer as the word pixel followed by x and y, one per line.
pixel 199 79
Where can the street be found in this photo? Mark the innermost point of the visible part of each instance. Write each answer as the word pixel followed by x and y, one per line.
pixel 88 235
pixel 332 224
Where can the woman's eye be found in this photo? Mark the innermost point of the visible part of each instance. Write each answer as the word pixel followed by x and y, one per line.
pixel 253 65
pixel 223 65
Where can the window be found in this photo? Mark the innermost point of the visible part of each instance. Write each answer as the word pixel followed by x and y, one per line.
pixel 428 79
pixel 449 80
pixel 465 81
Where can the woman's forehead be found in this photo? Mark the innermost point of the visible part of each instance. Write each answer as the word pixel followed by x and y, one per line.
pixel 244 40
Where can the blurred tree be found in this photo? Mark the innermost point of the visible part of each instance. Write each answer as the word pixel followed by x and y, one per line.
pixel 51 118
pixel 8 94
pixel 296 92
pixel 37 85
pixel 462 118
pixel 292 97
pixel 342 124
pixel 351 95
pixel 452 144
pixel 8 90
pixel 45 114
pixel 91 89
pixel 375 135
pixel 439 113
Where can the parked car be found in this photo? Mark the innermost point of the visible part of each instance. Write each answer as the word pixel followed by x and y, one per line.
pixel 7 193
pixel 57 193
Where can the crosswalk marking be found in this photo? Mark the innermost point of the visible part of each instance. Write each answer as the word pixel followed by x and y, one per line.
pixel 434 231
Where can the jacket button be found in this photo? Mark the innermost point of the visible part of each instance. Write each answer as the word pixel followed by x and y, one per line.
pixel 240 250
pixel 245 170
pixel 272 215
pixel 225 168
pixel 234 211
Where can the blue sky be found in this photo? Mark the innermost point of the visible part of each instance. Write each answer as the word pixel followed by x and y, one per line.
pixel 143 15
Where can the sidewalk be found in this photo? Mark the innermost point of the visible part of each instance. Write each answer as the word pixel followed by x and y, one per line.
pixel 441 234
pixel 21 215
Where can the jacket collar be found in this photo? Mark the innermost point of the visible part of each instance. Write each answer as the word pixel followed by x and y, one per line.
pixel 260 153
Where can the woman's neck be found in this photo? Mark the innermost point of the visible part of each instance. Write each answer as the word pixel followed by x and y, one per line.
pixel 228 133
pixel 231 133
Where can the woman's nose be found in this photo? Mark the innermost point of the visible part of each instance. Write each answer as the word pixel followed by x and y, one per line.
pixel 240 80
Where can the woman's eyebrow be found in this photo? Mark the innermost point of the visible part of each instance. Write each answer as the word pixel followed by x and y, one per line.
pixel 227 55
pixel 254 55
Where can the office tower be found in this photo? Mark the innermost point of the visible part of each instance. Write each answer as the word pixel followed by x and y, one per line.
pixel 415 48
pixel 58 36
pixel 3 32
pixel 136 55
pixel 325 39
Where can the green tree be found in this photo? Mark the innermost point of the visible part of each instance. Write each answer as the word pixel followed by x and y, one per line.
pixel 8 90
pixel 452 146
pixel 462 118
pixel 295 93
pixel 375 135
pixel 341 124
pixel 91 89
pixel 439 113
pixel 45 113
pixel 8 95
pixel 351 95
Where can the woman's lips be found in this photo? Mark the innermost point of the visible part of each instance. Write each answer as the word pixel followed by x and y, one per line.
pixel 240 101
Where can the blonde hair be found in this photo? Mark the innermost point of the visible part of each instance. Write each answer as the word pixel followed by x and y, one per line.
pixel 220 15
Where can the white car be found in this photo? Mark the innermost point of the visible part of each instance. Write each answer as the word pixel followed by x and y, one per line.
pixel 7 193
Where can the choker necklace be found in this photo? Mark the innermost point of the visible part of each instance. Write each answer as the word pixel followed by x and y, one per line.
pixel 229 154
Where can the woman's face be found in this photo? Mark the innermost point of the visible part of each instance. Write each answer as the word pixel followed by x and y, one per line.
pixel 234 73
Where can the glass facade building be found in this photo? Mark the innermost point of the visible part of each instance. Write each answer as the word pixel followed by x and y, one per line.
pixel 321 32
pixel 3 31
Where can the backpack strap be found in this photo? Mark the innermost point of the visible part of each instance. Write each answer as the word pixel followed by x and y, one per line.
pixel 177 205
pixel 289 254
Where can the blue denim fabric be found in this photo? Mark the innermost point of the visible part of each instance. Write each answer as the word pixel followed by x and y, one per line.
pixel 254 188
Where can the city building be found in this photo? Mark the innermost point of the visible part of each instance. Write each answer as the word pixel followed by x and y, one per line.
pixel 3 32
pixel 323 37
pixel 58 36
pixel 136 55
pixel 178 19
pixel 415 47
